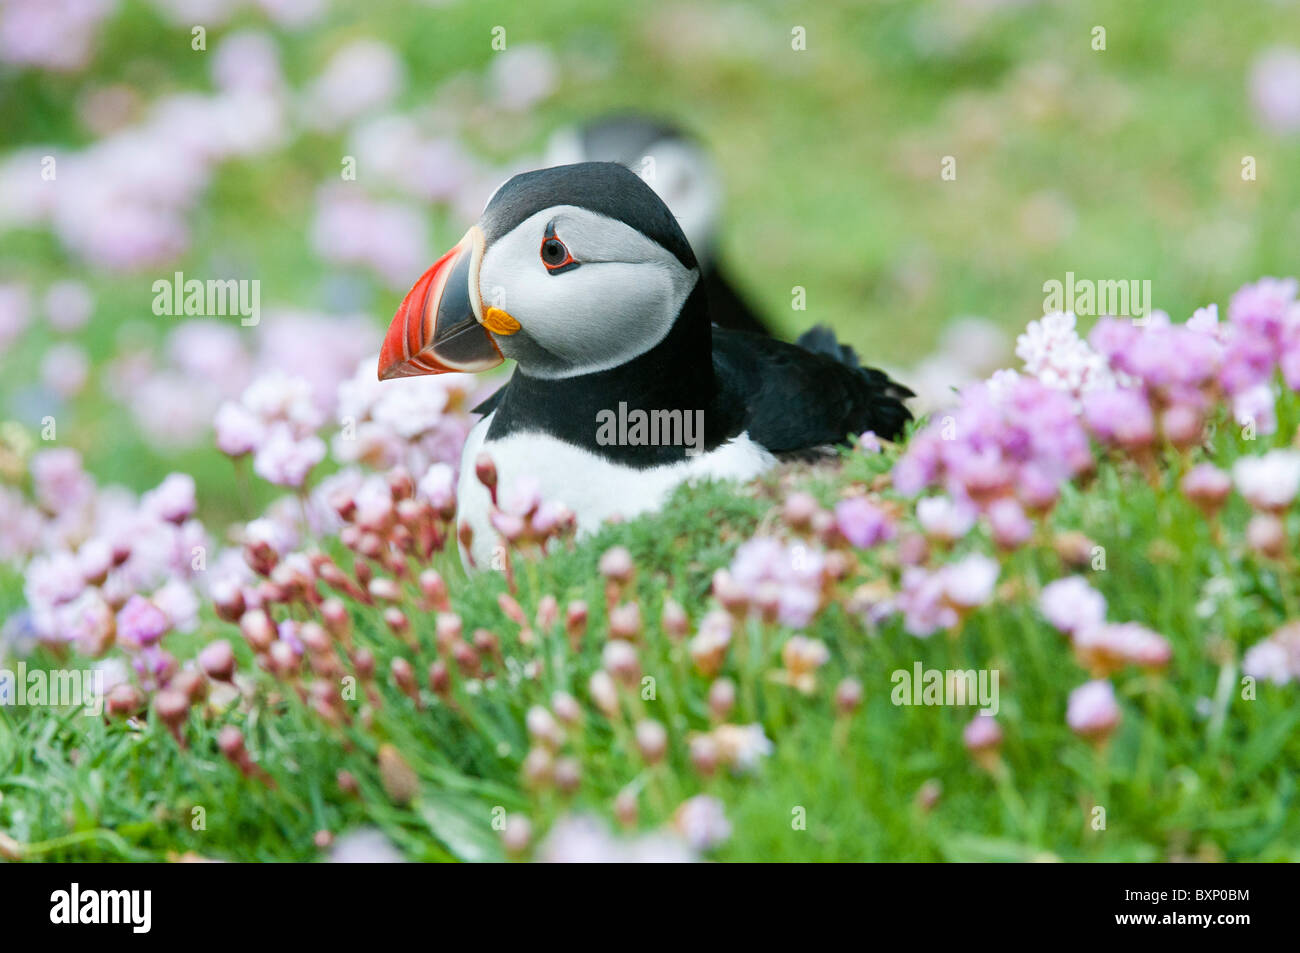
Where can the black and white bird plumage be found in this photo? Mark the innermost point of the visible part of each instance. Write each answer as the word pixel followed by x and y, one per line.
pixel 582 275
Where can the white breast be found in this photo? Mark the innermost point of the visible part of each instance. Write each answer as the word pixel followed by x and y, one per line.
pixel 594 488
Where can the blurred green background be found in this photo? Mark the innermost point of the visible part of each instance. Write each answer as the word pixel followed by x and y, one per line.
pixel 1117 163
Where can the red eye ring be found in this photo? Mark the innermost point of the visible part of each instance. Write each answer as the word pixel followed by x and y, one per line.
pixel 555 254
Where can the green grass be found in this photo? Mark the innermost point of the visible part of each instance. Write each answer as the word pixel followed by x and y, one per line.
pixel 1175 781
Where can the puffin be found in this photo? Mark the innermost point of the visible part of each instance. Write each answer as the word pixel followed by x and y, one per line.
pixel 623 389
pixel 678 167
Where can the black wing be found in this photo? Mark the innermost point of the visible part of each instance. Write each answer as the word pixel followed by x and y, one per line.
pixel 805 395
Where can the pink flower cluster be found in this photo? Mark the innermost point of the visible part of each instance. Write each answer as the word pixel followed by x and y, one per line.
pixel 99 558
pixel 1079 611
pixel 1004 451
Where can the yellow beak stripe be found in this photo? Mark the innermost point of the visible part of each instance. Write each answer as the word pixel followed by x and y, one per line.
pixel 499 322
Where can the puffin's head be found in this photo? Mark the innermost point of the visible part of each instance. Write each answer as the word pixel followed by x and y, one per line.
pixel 571 270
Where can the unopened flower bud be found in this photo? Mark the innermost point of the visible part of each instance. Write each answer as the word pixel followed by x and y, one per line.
pixel 568 775
pixel 548 612
pixel 651 741
pixel 217 659
pixel 626 809
pixel 512 609
pixel 625 621
pixel 397 621
pixel 517 835
pixel 566 708
pixel 404 678
pixel 604 692
pixel 722 698
pixel 538 768
pixel 363 663
pixel 620 660
pixel 1266 535
pixel 798 511
pixel 616 564
pixel 228 600
pixel 575 622
pixel 258 630
pixel 439 679
pixel 124 700
pixel 704 754
pixel 466 658
pixel 434 590
pixel 397 776
pixel 400 483
pixel 230 741
pixel 848 695
pixel 675 622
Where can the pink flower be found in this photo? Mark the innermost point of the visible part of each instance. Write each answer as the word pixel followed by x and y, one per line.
pixel 68 305
pixel 51 34
pixel 982 733
pixel 1207 486
pixel 702 822
pixel 140 623
pixel 65 369
pixel 15 312
pixel 61 484
pixel 1008 524
pixel 438 486
pixel 1276 658
pixel 968 582
pixel 172 500
pixel 1270 481
pixel 1071 605
pixel 1093 712
pixel 1108 647
pixel 1121 416
pixel 522 76
pixel 1275 89
pixel 362 76
pixel 862 523
pixel 1054 353
pixel 238 430
pixel 923 604
pixel 247 61
pixel 1265 308
pixel 285 460
pixel 943 519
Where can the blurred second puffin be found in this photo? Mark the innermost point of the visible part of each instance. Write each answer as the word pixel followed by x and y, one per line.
pixel 681 172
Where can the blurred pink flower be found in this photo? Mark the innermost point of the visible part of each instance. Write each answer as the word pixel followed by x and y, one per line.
pixel 1269 481
pixel 389 237
pixel 522 76
pixel 247 60
pixel 863 523
pixel 15 312
pixel 1071 605
pixel 1275 88
pixel 65 369
pixel 172 500
pixel 364 75
pixel 68 305
pixel 140 623
pixel 285 459
pixel 51 34
pixel 1093 712
pixel 59 480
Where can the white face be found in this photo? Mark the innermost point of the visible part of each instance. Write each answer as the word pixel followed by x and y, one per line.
pixel 618 302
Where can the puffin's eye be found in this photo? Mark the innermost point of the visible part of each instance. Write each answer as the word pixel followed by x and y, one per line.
pixel 555 256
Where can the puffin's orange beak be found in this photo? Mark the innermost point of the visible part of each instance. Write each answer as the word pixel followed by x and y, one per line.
pixel 439 324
